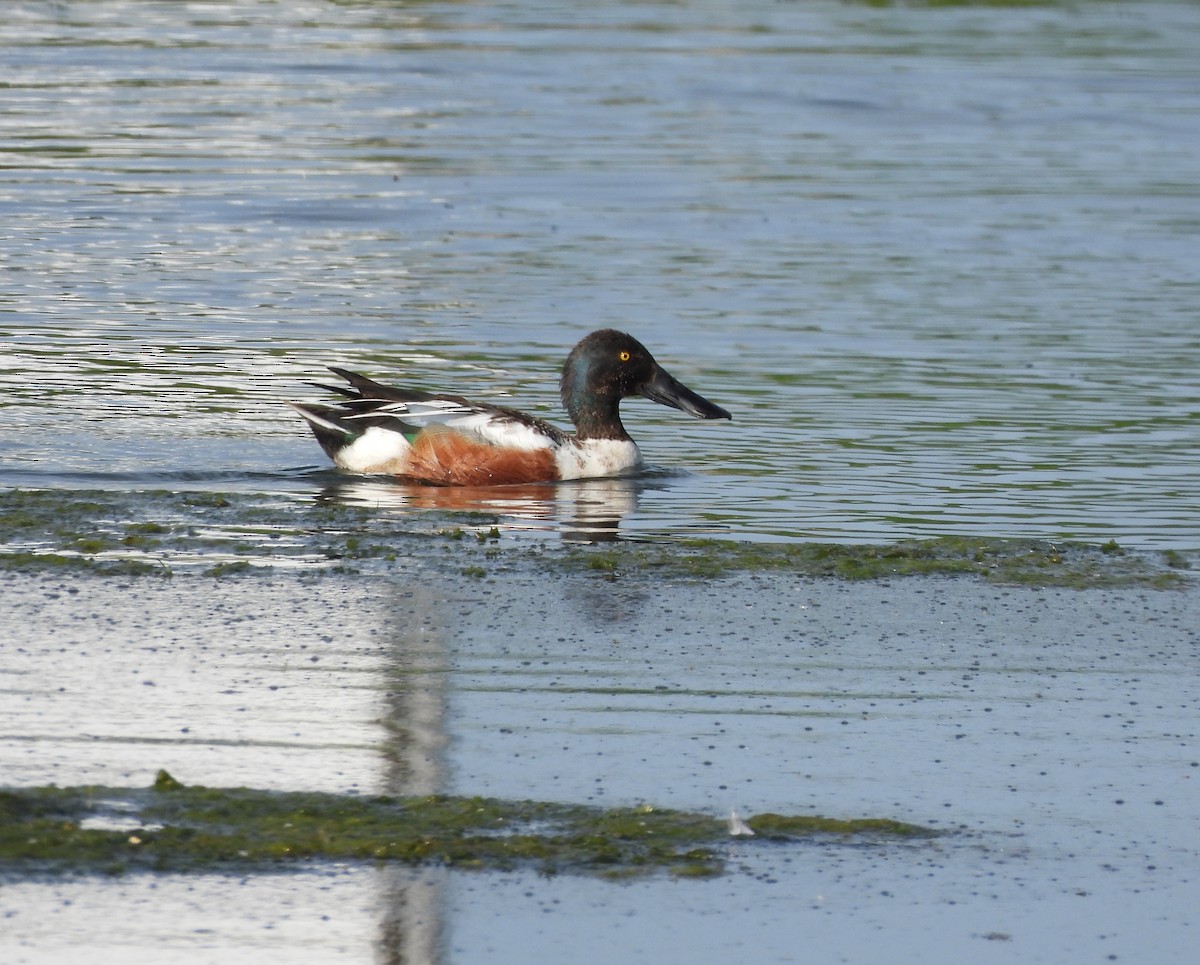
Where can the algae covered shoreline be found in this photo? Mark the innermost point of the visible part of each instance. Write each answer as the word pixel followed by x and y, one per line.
pixel 162 532
pixel 105 536
pixel 345 696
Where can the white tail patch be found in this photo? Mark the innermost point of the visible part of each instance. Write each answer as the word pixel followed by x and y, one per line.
pixel 376 450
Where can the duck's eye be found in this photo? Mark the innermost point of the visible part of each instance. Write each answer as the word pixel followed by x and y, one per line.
pixel 623 356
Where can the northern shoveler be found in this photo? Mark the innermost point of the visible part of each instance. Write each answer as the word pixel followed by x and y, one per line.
pixel 447 440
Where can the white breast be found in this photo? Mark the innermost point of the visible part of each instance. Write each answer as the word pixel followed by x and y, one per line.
pixel 597 458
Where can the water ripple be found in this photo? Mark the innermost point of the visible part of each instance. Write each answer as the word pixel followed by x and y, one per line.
pixel 939 264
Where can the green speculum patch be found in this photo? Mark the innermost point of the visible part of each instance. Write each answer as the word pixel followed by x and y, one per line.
pixel 170 827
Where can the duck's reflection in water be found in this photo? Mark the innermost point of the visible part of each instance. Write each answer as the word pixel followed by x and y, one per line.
pixel 415 699
pixel 587 511
pixel 413 924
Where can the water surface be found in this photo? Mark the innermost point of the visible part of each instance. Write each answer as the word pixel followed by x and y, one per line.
pixel 938 262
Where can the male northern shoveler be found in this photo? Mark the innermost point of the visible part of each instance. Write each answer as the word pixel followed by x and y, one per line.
pixel 447 440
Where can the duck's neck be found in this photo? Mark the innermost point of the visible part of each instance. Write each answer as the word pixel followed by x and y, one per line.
pixel 596 414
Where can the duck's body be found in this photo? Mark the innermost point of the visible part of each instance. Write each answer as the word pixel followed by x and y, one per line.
pixel 447 440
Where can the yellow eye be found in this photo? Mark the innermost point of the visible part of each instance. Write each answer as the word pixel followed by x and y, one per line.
pixel 623 356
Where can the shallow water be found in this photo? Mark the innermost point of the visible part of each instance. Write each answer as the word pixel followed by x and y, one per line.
pixel 939 262
pixel 1051 732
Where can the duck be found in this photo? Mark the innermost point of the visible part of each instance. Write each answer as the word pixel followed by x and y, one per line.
pixel 447 440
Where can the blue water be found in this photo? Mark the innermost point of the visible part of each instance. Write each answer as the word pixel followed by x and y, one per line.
pixel 939 262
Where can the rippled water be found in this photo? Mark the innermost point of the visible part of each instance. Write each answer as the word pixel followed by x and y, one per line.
pixel 940 262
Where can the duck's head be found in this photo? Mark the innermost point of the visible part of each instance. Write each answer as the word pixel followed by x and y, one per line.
pixel 608 366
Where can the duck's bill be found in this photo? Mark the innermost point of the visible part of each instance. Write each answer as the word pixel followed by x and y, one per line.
pixel 669 391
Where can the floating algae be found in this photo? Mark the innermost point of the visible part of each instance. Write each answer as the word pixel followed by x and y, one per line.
pixel 178 828
pixel 1016 561
pixel 227 535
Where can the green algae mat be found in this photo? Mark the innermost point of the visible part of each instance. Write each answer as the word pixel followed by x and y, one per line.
pixel 162 533
pixel 177 828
